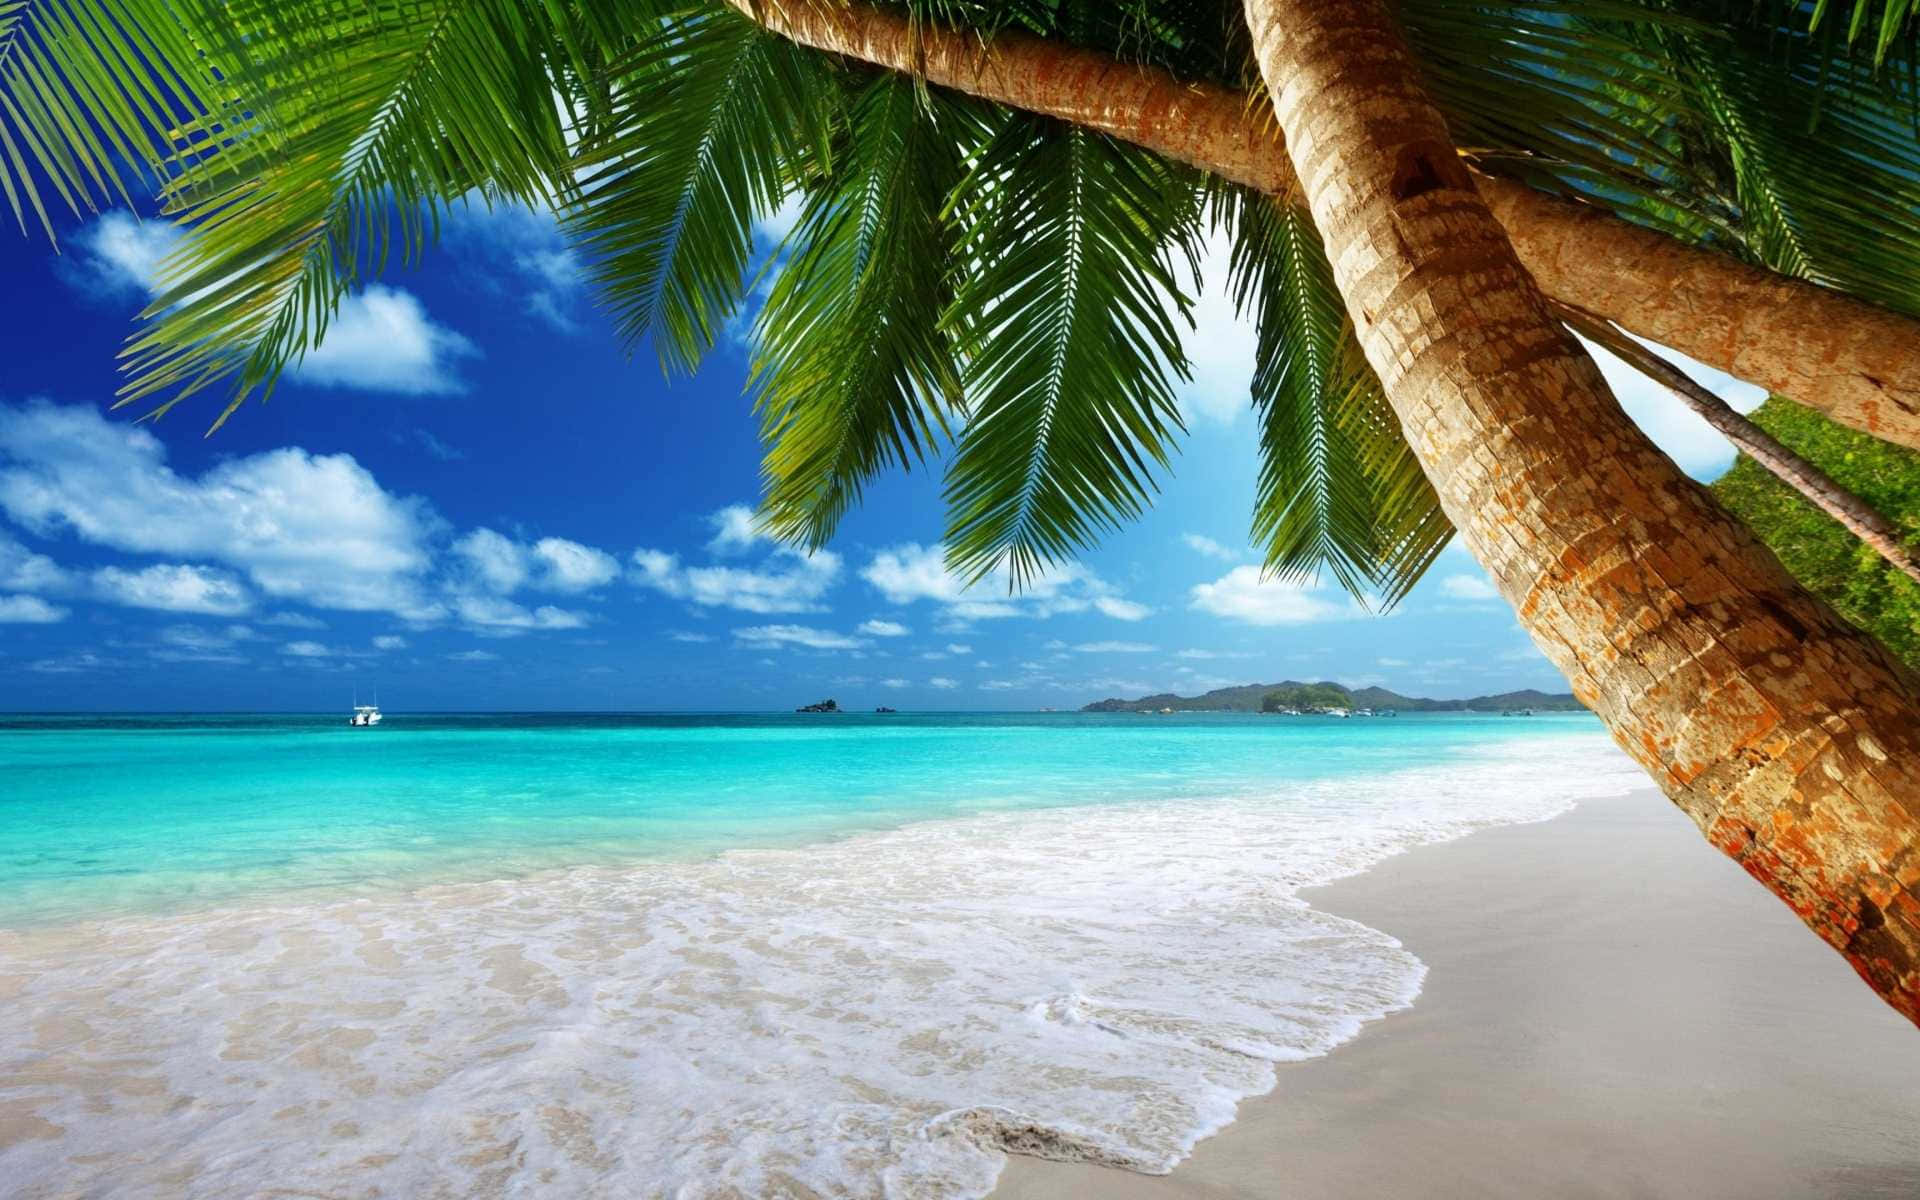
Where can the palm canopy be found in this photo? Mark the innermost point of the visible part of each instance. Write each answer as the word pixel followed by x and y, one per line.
pixel 1007 291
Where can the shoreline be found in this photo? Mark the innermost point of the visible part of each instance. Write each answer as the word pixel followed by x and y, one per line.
pixel 1611 1008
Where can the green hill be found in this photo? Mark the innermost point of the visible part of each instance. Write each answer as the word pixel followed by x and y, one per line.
pixel 1250 697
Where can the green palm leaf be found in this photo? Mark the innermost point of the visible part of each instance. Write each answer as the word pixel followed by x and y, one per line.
pixel 1066 322
pixel 853 369
pixel 709 121
pixel 351 127
pixel 1339 489
pixel 89 88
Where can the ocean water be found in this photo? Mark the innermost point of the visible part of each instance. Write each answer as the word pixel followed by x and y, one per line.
pixel 696 955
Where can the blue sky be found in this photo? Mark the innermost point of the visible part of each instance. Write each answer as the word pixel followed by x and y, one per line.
pixel 472 497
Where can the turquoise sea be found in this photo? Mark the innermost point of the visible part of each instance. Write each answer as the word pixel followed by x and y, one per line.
pixel 696 955
pixel 120 813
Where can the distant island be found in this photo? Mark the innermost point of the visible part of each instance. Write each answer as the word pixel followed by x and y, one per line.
pixel 1293 694
pixel 824 706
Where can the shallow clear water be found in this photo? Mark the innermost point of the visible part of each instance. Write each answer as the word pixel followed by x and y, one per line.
pixel 126 813
pixel 696 956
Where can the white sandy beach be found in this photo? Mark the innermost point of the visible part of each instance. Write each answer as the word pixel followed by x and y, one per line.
pixel 1612 1010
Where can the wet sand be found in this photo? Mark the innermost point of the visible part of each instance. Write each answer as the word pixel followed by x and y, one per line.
pixel 1612 1010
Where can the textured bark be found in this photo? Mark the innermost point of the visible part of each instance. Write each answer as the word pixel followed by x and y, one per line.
pixel 1815 486
pixel 1855 362
pixel 1789 737
pixel 1858 364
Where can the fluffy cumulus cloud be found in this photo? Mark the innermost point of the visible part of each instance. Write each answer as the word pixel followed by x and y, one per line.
pixel 389 641
pixel 1116 648
pixel 498 615
pixel 498 563
pixel 29 610
pixel 23 570
pixel 121 254
pixel 796 635
pixel 735 530
pixel 174 587
pixel 1243 595
pixel 314 528
pixel 787 581
pixel 884 629
pixel 910 573
pixel 380 340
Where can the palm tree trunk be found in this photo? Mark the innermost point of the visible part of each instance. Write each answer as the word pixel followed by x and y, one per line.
pixel 1815 486
pixel 1789 737
pixel 1858 364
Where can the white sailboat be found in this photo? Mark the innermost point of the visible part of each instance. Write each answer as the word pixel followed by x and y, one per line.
pixel 365 714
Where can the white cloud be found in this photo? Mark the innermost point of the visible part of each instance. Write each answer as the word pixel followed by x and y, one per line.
pixel 198 638
pixel 910 572
pixel 1695 446
pixel 121 253
pixel 306 650
pixel 498 561
pixel 1393 662
pixel 174 587
pixel 957 648
pixel 24 571
pixel 380 339
pixel 1221 348
pixel 1122 610
pixel 884 629
pixel 1242 595
pixel 474 656
pixel 896 683
pixel 735 529
pixel 572 567
pixel 1468 587
pixel 796 635
pixel 389 641
pixel 943 683
pixel 524 252
pixel 776 225
pixel 317 528
pixel 29 610
pixel 694 638
pixel 496 615
pixel 786 582
pixel 1115 648
pixel 1207 546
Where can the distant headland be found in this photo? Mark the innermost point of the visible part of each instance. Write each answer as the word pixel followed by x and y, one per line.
pixel 1293 694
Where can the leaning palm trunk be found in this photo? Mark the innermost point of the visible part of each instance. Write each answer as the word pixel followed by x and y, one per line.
pixel 1790 738
pixel 1818 488
pixel 1857 363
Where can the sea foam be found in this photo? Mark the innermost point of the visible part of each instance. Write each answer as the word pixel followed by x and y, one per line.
pixel 883 1015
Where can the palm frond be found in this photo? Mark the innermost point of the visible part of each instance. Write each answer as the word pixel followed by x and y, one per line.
pixel 709 117
pixel 92 93
pixel 1066 320
pixel 348 130
pixel 853 369
pixel 1796 133
pixel 1339 489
